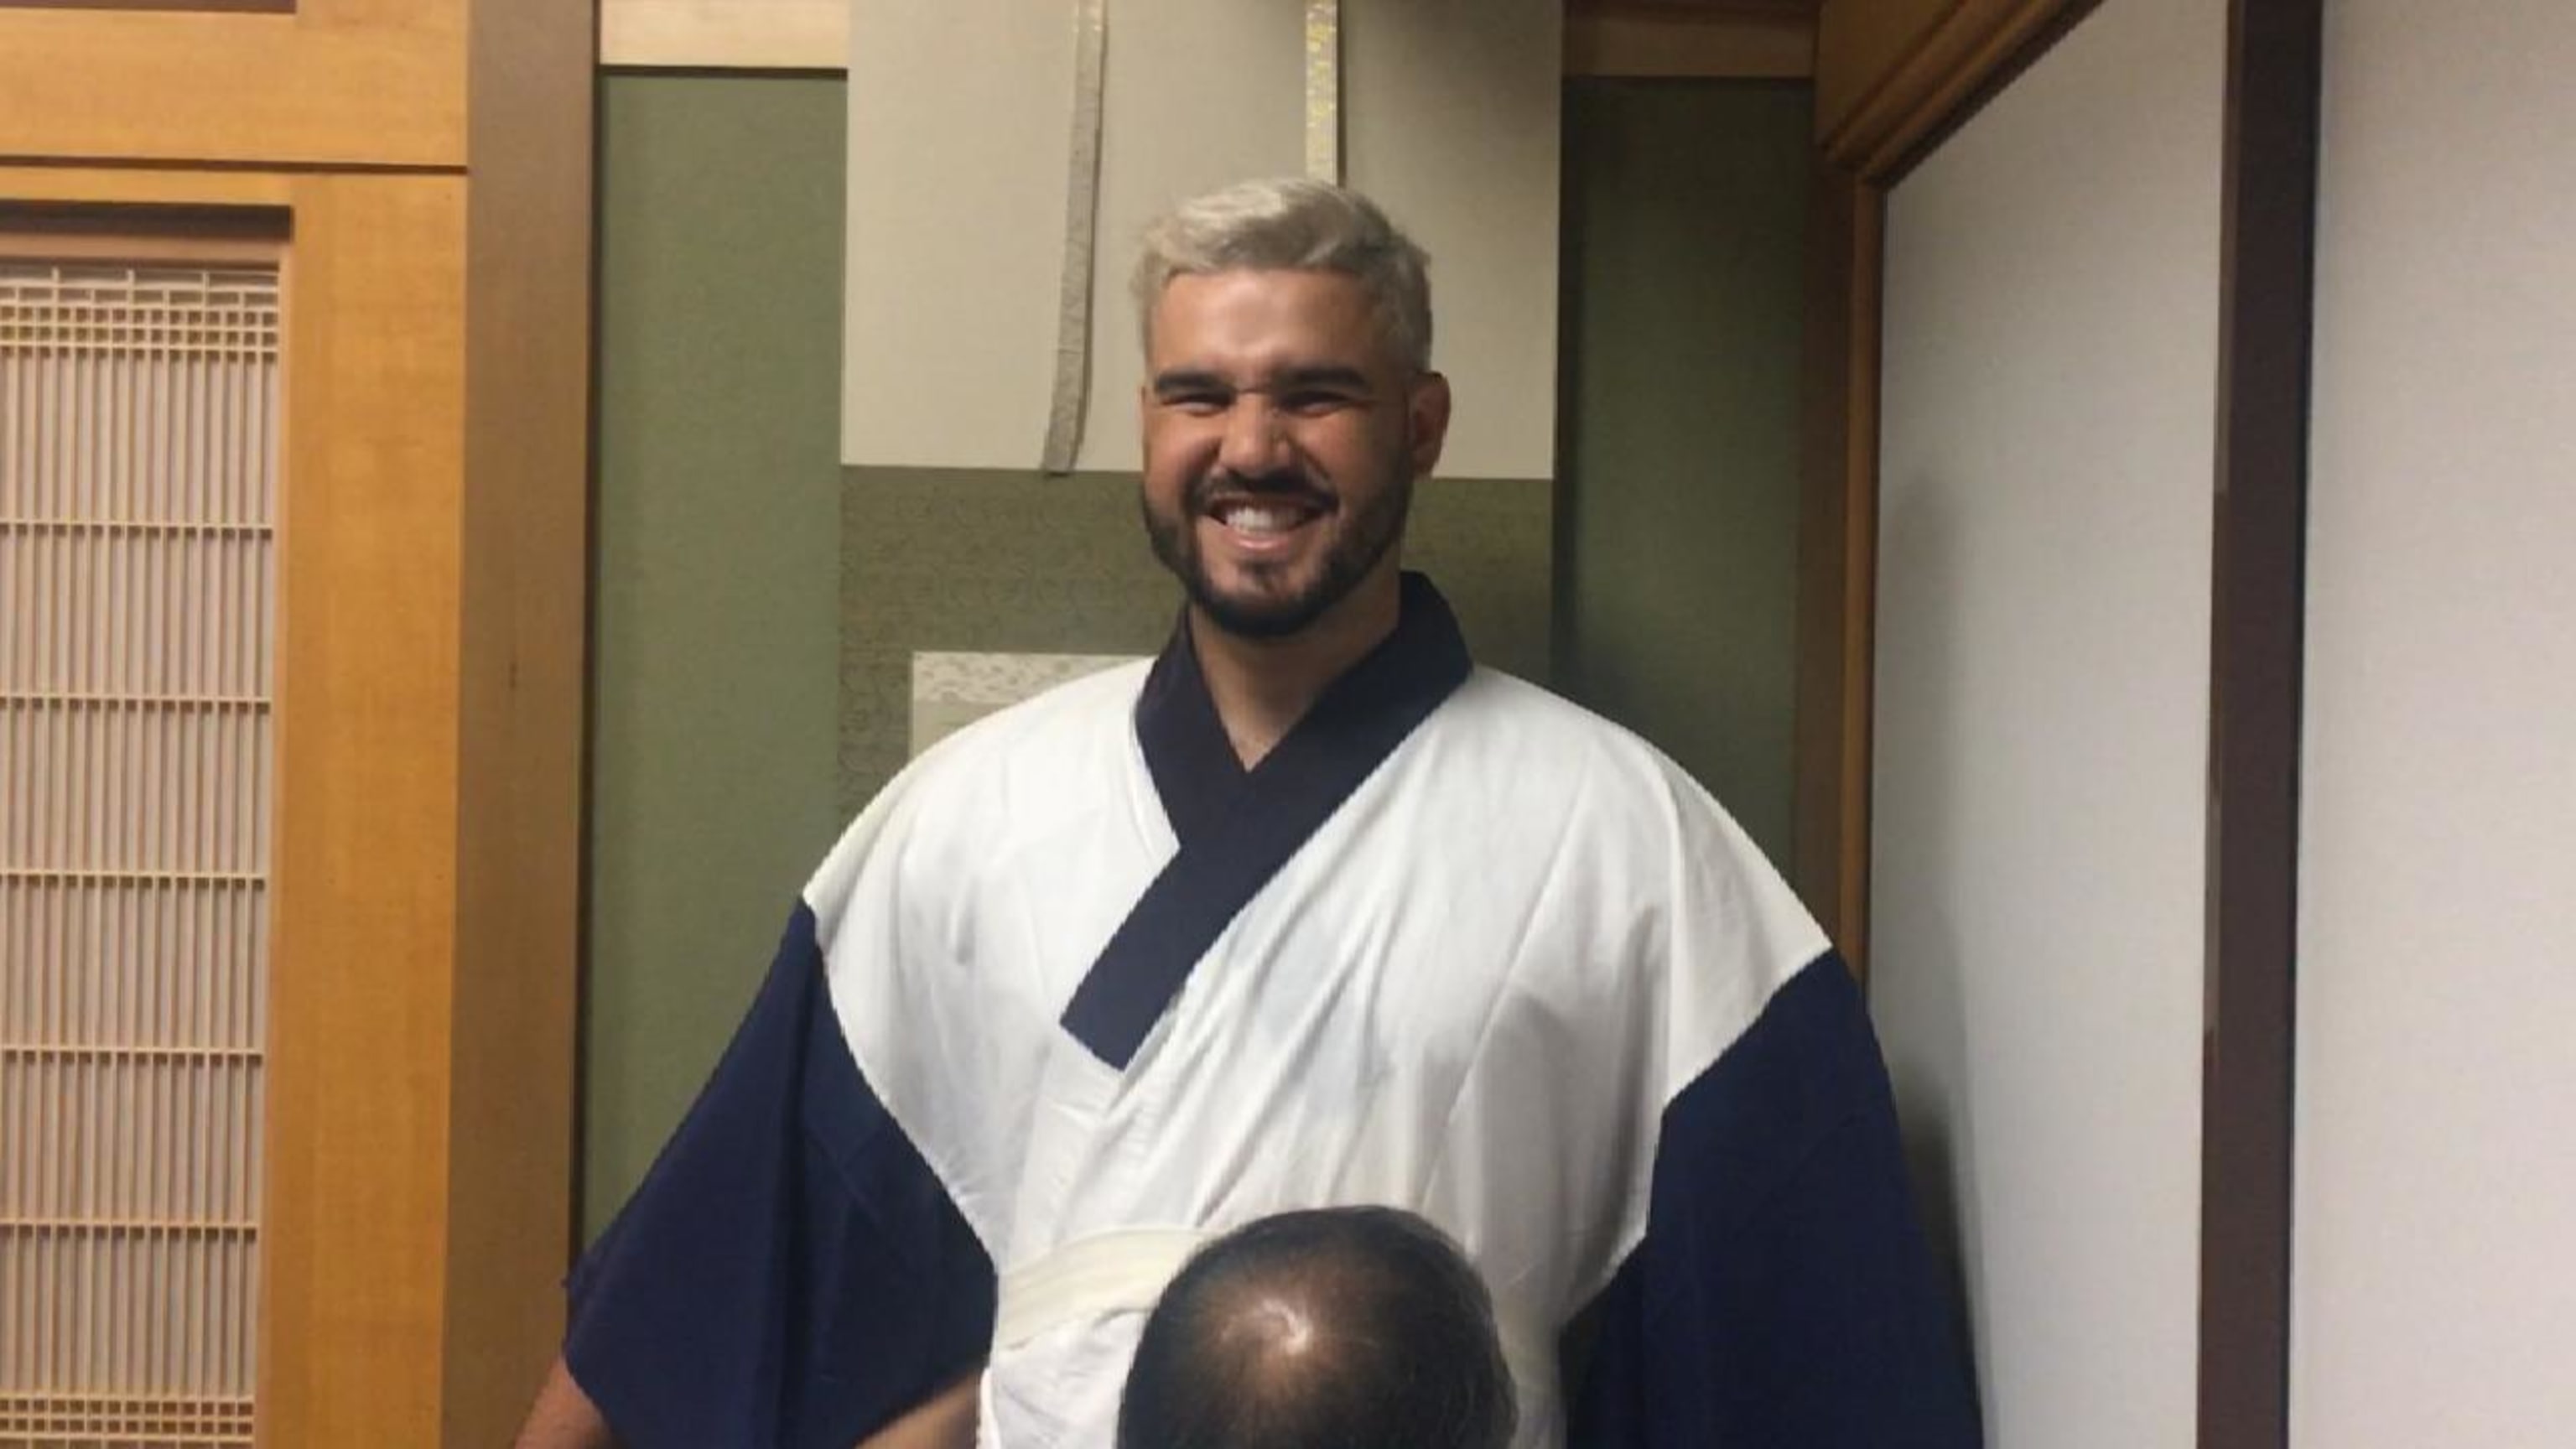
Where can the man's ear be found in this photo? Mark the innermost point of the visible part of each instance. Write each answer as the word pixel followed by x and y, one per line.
pixel 1426 422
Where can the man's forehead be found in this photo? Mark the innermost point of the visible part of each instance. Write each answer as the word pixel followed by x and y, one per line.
pixel 1263 315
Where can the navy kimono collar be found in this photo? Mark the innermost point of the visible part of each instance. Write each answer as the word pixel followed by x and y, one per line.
pixel 1237 827
pixel 1196 772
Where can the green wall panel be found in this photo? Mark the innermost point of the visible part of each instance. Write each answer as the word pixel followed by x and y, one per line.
pixel 1677 527
pixel 715 624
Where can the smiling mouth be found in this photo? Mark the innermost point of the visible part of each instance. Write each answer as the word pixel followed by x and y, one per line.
pixel 1264 519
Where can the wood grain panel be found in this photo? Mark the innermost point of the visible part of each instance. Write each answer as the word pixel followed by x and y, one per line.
pixel 431 592
pixel 350 82
pixel 146 187
pixel 1860 43
pixel 1893 84
pixel 524 606
pixel 1836 557
pixel 368 843
pixel 1963 65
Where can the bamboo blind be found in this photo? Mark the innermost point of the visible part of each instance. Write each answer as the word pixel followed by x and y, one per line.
pixel 138 484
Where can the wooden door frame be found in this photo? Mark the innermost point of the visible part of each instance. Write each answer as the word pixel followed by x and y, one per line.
pixel 1894 78
pixel 431 570
pixel 331 82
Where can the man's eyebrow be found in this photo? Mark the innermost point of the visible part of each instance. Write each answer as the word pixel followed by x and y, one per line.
pixel 1181 380
pixel 1324 375
pixel 1186 379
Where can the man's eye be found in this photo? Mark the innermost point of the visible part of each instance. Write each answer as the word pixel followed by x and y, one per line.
pixel 1198 404
pixel 1314 404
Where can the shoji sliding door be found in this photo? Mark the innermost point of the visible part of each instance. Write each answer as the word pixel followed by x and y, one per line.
pixel 2050 696
pixel 293 416
pixel 2051 344
pixel 138 509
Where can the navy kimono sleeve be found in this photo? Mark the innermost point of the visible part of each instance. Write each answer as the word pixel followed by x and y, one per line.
pixel 791 1272
pixel 1782 1297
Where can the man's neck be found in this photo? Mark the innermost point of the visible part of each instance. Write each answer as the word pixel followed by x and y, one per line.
pixel 1262 687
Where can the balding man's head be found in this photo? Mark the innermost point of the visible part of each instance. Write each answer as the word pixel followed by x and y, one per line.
pixel 1344 1328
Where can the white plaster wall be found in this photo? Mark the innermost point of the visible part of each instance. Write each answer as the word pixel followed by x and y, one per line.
pixel 960 126
pixel 2042 714
pixel 2434 1275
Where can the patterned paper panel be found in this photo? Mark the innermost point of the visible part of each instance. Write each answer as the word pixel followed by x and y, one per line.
pixel 953 690
pixel 138 475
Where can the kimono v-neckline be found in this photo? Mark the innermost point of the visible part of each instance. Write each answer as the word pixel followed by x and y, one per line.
pixel 1237 827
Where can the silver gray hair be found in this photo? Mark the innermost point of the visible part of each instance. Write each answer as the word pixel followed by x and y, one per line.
pixel 1295 224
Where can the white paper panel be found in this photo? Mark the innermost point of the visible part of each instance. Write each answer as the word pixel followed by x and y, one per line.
pixel 2433 1295
pixel 959 134
pixel 2042 712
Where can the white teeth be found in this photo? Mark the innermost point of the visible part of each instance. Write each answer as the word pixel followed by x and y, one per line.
pixel 1259 521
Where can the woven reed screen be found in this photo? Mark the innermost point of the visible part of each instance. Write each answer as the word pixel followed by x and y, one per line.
pixel 138 486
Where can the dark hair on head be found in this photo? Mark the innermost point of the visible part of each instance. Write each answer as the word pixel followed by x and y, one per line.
pixel 1334 1328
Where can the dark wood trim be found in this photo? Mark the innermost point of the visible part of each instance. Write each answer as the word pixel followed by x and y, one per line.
pixel 2258 589
pixel 2021 48
pixel 1838 556
pixel 1928 79
pixel 1798 10
pixel 1860 567
pixel 1961 60
pixel 1823 708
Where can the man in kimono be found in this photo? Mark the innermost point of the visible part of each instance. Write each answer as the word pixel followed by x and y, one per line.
pixel 1310 910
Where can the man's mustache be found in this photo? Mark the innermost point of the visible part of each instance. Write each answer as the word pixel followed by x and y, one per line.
pixel 1286 484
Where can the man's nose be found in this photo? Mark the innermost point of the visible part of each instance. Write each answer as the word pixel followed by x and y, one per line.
pixel 1254 443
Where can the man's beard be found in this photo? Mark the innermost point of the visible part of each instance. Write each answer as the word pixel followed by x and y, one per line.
pixel 1354 554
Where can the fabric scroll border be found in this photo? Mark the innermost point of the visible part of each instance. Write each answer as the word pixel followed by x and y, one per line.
pixel 1324 90
pixel 1081 220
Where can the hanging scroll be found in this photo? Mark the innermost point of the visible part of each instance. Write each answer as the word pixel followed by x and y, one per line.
pixel 987 290
pixel 1081 228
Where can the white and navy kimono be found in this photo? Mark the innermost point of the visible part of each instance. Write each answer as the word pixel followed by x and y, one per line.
pixel 1077 991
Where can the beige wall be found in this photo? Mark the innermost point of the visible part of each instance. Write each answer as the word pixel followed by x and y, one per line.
pixel 2041 747
pixel 960 123
pixel 2434 1285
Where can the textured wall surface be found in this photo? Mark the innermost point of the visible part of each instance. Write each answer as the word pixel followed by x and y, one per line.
pixel 715 624
pixel 1011 562
pixel 1677 533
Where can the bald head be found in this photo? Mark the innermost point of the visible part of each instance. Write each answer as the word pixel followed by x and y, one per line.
pixel 1344 1328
